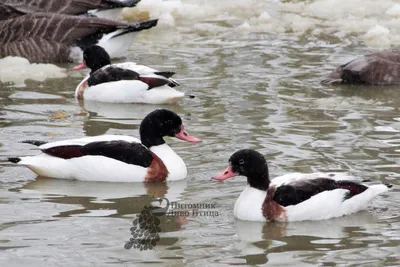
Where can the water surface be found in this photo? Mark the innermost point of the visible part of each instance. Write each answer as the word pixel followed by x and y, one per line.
pixel 255 89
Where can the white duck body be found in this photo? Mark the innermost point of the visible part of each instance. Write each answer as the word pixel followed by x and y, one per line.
pixel 248 207
pixel 128 91
pixel 322 206
pixel 100 168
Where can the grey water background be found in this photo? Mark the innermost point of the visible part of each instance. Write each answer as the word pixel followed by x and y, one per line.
pixel 256 90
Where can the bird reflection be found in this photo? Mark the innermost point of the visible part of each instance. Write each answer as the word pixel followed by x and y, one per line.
pixel 100 117
pixel 260 239
pixel 101 199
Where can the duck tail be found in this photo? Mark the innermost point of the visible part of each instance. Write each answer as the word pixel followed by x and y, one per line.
pixel 14 160
pixel 379 188
pixel 389 185
pixel 144 25
pixel 173 83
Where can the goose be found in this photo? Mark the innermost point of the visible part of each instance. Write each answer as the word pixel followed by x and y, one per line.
pixel 294 197
pixel 115 158
pixel 124 82
pixel 44 38
pixel 109 9
pixel 382 68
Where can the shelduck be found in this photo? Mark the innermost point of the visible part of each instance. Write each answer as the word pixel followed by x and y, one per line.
pixel 294 197
pixel 124 82
pixel 115 158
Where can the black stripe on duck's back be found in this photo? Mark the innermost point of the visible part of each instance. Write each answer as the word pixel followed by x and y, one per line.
pixel 130 153
pixel 299 191
pixel 111 74
pixel 114 73
pixel 381 68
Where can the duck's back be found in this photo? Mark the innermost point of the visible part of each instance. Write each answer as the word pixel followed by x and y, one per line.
pixel 333 203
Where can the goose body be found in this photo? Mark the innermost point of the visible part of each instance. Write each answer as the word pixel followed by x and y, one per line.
pixel 124 82
pixel 109 9
pixel 112 14
pixel 382 68
pixel 294 197
pixel 42 37
pixel 115 158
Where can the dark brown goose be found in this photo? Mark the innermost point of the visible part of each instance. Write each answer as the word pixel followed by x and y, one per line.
pixel 9 12
pixel 382 68
pixel 101 8
pixel 44 37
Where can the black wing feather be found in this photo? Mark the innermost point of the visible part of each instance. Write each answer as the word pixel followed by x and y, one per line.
pixel 299 191
pixel 130 153
pixel 111 74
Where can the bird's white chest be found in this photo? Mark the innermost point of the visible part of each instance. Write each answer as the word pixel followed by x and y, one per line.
pixel 175 165
pixel 248 206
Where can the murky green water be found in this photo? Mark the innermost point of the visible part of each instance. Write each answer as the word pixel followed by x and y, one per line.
pixel 252 91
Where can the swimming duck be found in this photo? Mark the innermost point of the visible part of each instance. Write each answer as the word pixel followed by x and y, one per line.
pixel 115 158
pixel 382 68
pixel 43 38
pixel 124 82
pixel 294 197
pixel 99 8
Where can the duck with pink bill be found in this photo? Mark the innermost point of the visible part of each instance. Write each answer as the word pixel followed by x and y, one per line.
pixel 115 158
pixel 124 82
pixel 295 196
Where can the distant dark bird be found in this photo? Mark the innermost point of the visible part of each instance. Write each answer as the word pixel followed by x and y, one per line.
pixel 382 68
pixel 100 8
pixel 42 37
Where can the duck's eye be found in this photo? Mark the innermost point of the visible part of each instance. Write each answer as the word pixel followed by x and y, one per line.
pixel 241 161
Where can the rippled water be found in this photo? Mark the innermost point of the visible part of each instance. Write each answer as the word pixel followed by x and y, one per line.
pixel 257 89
